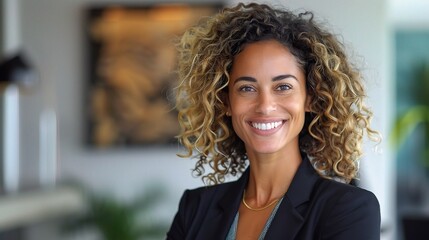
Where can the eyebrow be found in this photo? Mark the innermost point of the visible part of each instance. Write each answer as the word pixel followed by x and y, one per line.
pixel 276 78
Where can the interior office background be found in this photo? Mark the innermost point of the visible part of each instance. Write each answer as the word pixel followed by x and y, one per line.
pixel 50 33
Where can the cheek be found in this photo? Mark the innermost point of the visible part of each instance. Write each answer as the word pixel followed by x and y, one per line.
pixel 238 112
pixel 295 106
pixel 296 109
pixel 237 116
pixel 237 106
pixel 237 126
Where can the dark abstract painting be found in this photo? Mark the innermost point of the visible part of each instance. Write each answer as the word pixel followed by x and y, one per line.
pixel 131 60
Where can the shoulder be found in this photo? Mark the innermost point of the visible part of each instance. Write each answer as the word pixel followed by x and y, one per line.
pixel 340 192
pixel 192 207
pixel 206 191
pixel 202 197
pixel 348 207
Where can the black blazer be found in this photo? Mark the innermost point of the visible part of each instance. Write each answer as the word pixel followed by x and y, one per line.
pixel 313 208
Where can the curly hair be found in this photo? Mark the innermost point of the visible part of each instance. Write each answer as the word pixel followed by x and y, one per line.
pixel 338 118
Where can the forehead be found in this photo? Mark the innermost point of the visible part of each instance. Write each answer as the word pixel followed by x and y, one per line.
pixel 265 55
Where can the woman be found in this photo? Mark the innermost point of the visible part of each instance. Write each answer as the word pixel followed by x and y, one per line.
pixel 271 95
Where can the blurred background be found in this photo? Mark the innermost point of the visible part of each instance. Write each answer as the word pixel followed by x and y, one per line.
pixel 86 129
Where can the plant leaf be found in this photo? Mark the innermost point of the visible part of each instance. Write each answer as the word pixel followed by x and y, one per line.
pixel 407 122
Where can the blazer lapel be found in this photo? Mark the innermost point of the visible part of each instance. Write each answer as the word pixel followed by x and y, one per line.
pixel 288 220
pixel 221 213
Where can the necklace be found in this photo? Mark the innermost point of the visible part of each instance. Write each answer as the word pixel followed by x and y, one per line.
pixel 257 209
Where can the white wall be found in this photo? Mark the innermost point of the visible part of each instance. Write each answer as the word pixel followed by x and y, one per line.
pixel 412 14
pixel 52 35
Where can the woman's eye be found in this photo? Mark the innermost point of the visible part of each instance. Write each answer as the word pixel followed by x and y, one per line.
pixel 246 89
pixel 283 87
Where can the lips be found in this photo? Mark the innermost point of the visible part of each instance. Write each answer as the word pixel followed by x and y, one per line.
pixel 266 126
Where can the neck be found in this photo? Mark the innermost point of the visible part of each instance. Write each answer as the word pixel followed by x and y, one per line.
pixel 270 176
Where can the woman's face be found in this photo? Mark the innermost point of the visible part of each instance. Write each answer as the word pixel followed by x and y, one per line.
pixel 267 98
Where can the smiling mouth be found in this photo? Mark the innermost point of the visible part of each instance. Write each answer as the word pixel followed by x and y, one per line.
pixel 266 126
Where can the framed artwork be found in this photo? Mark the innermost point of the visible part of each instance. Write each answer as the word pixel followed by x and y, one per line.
pixel 131 60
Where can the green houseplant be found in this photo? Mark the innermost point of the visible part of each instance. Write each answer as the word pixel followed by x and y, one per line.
pixel 417 116
pixel 116 219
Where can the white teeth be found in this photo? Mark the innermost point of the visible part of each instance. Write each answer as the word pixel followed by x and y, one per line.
pixel 266 126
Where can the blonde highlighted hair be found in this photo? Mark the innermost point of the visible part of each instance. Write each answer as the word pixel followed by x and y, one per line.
pixel 333 130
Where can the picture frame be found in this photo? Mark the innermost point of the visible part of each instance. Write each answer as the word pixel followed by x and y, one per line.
pixel 131 71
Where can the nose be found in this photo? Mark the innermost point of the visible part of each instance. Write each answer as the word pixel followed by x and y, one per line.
pixel 266 103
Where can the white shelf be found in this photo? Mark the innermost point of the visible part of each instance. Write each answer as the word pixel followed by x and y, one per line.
pixel 21 209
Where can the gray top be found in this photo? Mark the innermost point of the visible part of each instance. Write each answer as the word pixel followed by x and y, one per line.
pixel 233 230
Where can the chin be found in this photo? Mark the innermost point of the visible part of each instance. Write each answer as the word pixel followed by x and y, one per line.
pixel 267 149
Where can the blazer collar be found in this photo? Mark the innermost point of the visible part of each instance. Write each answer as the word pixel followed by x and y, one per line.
pixel 222 215
pixel 288 220
pixel 302 184
pixel 299 190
